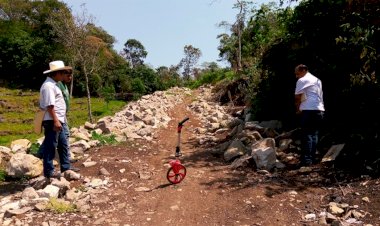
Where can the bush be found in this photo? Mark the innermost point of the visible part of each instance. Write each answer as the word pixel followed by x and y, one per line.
pixel 109 139
pixel 3 174
pixel 138 86
pixel 211 77
pixel 34 148
pixel 60 206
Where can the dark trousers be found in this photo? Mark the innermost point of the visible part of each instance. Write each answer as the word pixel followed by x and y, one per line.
pixel 55 140
pixel 311 122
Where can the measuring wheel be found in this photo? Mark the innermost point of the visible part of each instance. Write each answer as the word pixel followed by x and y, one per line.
pixel 176 173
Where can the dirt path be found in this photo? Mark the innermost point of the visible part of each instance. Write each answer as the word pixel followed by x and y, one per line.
pixel 211 193
pixel 138 192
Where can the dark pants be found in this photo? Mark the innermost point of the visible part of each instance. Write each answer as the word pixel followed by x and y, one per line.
pixel 55 140
pixel 66 130
pixel 311 123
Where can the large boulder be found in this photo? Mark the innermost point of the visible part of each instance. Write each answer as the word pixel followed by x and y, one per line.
pixel 264 153
pixel 20 145
pixel 21 165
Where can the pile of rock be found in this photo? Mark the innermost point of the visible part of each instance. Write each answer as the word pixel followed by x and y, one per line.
pixel 245 140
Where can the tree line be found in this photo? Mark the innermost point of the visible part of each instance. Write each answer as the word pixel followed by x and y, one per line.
pixel 33 33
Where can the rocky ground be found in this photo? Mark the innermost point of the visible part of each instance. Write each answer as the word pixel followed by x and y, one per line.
pixel 126 184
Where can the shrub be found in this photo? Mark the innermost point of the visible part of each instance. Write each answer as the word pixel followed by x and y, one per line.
pixel 3 174
pixel 104 139
pixel 60 206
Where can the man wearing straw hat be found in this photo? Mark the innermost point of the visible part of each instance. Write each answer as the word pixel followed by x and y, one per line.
pixel 54 122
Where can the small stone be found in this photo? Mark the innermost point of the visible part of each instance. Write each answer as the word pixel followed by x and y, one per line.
pixel 365 199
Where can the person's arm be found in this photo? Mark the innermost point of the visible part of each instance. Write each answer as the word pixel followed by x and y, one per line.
pixel 57 123
pixel 297 102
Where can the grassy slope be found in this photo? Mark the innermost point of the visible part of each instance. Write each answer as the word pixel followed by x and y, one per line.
pixel 17 108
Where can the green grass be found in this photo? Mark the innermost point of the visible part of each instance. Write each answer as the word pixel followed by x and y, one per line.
pixel 3 174
pixel 104 139
pixel 17 108
pixel 58 206
pixel 78 113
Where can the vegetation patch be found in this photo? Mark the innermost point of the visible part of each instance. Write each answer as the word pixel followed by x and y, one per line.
pixel 3 175
pixel 18 106
pixel 104 139
pixel 60 206
pixel 33 150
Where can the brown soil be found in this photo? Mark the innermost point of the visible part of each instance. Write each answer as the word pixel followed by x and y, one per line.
pixel 212 193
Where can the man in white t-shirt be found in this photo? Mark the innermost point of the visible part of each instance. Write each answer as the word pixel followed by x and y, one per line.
pixel 54 122
pixel 310 106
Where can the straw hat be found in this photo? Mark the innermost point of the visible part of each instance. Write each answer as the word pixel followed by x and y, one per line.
pixel 57 65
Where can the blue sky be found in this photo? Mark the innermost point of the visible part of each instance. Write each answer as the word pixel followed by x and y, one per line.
pixel 164 27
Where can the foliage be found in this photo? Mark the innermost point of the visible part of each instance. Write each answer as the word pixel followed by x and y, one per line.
pixel 145 79
pixel 33 150
pixel 60 206
pixel 265 27
pixel 191 58
pixel 168 77
pixel 25 40
pixel 212 77
pixel 3 174
pixel 134 52
pixel 138 87
pixel 33 33
pixel 107 93
pixel 336 40
pixel 104 139
pixel 249 39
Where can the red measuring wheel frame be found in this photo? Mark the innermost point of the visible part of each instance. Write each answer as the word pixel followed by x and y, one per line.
pixel 177 172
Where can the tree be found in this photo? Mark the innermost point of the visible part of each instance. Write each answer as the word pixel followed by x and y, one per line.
pixel 90 62
pixel 26 40
pixel 210 66
pixel 70 32
pixel 231 46
pixel 168 77
pixel 148 77
pixel 107 93
pixel 84 49
pixel 227 49
pixel 134 52
pixel 191 58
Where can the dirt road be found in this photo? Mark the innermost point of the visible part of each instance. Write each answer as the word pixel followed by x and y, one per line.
pixel 138 193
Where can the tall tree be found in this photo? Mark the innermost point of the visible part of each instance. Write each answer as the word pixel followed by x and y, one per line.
pixel 134 52
pixel 83 48
pixel 231 45
pixel 239 26
pixel 188 63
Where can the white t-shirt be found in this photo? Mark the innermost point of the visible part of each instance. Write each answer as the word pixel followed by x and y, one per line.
pixel 51 94
pixel 311 88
